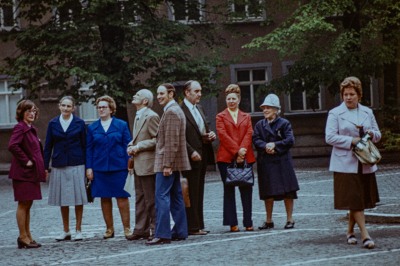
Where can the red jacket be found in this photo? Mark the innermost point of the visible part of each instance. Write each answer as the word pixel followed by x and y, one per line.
pixel 233 137
pixel 25 145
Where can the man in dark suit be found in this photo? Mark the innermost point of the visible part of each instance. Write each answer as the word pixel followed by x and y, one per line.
pixel 142 149
pixel 200 152
pixel 171 158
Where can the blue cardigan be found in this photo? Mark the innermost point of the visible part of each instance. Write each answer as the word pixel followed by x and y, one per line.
pixel 65 148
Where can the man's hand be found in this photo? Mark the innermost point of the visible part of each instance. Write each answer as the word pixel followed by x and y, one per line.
pixel 195 156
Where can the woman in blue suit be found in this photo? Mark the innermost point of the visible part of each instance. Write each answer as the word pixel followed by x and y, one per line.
pixel 66 146
pixel 106 163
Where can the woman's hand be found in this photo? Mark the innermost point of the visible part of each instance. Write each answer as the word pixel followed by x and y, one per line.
pixel 270 148
pixel 89 173
pixel 29 164
pixel 242 152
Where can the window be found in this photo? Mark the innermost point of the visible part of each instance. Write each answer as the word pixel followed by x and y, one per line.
pixel 251 79
pixel 87 110
pixel 9 14
pixel 186 10
pixel 300 101
pixel 8 102
pixel 247 9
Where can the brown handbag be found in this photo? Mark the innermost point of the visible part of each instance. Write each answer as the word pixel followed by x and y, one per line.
pixel 130 163
pixel 185 191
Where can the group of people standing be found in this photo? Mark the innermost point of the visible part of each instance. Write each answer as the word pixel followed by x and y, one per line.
pixel 164 149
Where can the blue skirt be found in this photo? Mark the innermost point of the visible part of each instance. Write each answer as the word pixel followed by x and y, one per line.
pixel 109 184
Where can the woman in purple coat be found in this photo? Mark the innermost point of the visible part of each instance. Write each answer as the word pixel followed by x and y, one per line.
pixel 27 169
pixel 273 138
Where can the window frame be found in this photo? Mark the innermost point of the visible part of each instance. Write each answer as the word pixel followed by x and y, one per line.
pixel 305 110
pixel 171 13
pixel 10 115
pixel 85 89
pixel 267 66
pixel 15 13
pixel 247 16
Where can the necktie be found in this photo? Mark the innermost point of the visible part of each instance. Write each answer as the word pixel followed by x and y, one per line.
pixel 199 120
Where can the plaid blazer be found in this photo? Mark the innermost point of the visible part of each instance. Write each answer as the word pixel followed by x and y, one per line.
pixel 171 141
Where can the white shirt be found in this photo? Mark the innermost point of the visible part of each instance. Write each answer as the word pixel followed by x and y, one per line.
pixel 106 124
pixel 65 123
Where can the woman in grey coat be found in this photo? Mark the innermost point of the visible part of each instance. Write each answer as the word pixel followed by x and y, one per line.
pixel 273 138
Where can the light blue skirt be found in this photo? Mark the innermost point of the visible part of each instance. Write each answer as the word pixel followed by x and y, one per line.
pixel 67 186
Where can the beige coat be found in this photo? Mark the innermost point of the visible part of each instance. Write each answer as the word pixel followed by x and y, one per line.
pixel 144 137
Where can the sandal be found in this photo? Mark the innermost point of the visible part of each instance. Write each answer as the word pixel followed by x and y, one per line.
pixel 351 239
pixel 368 243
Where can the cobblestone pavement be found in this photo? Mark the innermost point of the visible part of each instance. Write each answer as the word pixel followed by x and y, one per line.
pixel 318 237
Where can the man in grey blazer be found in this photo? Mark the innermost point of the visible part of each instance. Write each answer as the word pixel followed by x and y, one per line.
pixel 171 158
pixel 200 152
pixel 142 149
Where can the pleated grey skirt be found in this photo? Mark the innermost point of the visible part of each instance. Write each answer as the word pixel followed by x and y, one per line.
pixel 67 186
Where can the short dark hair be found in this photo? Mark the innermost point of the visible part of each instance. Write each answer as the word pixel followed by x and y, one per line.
pixel 23 106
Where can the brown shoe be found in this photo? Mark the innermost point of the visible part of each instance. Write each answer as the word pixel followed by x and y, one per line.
pixel 249 229
pixel 235 229
pixel 137 237
pixel 198 233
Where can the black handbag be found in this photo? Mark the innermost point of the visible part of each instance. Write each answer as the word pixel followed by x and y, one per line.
pixel 89 191
pixel 239 176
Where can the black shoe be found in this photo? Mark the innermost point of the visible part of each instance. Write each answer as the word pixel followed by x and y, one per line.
pixel 289 225
pixel 266 226
pixel 22 244
pixel 178 238
pixel 158 241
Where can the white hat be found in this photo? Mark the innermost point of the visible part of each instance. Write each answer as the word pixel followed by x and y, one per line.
pixel 271 100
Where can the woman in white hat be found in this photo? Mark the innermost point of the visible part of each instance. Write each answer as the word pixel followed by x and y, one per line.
pixel 273 138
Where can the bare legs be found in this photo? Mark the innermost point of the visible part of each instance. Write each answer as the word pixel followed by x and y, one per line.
pixel 123 206
pixel 357 217
pixel 78 215
pixel 23 220
pixel 269 207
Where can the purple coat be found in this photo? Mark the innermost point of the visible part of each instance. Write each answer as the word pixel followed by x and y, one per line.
pixel 25 145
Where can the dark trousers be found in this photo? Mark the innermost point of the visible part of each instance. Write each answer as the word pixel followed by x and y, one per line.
pixel 246 192
pixel 196 180
pixel 145 211
pixel 169 200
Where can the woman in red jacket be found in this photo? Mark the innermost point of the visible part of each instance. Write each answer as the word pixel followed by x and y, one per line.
pixel 27 169
pixel 235 134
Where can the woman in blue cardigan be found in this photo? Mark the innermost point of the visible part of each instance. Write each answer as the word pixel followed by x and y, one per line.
pixel 66 147
pixel 106 163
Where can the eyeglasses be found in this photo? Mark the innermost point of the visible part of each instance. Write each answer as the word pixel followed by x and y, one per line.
pixel 34 111
pixel 102 107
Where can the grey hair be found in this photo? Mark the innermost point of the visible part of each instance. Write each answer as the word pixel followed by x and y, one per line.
pixel 67 97
pixel 147 94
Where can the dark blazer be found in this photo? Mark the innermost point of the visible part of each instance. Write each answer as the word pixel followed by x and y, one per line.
pixel 194 141
pixel 106 151
pixel 233 136
pixel 65 148
pixel 25 145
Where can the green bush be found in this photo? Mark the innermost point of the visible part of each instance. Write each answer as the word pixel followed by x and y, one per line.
pixel 390 141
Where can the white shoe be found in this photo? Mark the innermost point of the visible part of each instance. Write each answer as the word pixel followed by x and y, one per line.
pixel 78 236
pixel 64 236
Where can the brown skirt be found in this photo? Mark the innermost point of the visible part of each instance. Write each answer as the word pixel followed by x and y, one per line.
pixel 355 191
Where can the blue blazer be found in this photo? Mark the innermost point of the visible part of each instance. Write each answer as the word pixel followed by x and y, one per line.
pixel 106 151
pixel 65 148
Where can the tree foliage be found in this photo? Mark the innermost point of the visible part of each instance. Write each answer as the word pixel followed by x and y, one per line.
pixel 117 46
pixel 332 39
